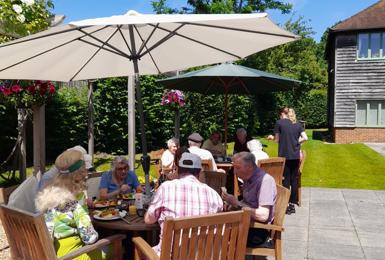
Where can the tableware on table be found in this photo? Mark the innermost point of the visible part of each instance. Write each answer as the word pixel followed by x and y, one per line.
pixel 139 200
pixel 125 220
pixel 99 204
pixel 109 214
pixel 132 209
pixel 140 212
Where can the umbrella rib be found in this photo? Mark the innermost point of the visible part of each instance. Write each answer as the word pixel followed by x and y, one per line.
pixel 148 38
pixel 124 39
pixel 38 54
pixel 241 30
pixel 39 37
pixel 161 41
pixel 196 41
pixel 152 58
pixel 106 43
pixel 93 55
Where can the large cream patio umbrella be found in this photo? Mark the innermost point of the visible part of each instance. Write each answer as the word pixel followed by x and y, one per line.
pixel 133 44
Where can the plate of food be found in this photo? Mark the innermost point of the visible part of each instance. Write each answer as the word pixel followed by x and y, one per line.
pixel 98 204
pixel 109 214
pixel 126 196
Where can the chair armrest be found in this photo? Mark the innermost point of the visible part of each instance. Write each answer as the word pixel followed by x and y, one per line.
pixel 98 244
pixel 144 248
pixel 266 226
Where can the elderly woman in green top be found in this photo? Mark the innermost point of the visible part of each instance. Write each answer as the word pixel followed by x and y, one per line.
pixel 66 217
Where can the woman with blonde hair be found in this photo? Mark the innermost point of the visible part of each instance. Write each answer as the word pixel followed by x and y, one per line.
pixel 67 219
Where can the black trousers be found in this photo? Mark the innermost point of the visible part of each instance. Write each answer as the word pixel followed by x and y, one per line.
pixel 290 179
pixel 257 236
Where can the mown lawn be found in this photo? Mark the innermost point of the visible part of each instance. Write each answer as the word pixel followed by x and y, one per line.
pixel 332 165
pixel 328 165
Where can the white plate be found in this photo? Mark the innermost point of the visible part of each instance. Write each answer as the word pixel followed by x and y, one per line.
pixel 122 214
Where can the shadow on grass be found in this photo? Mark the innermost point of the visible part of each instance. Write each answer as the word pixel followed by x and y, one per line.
pixel 101 161
pixel 322 135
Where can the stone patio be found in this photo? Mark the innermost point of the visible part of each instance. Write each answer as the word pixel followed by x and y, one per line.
pixel 336 224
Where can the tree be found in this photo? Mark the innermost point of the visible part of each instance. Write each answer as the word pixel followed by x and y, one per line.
pixel 23 17
pixel 223 6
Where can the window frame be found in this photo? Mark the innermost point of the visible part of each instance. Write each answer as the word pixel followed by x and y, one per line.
pixel 380 105
pixel 369 50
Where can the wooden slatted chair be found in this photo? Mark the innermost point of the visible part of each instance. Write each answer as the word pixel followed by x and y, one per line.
pixel 276 227
pixel 28 237
pixel 207 165
pixel 216 236
pixel 93 183
pixel 273 166
pixel 156 160
pixel 214 179
pixel 299 178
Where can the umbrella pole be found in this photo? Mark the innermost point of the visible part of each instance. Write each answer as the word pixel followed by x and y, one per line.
pixel 145 158
pixel 226 109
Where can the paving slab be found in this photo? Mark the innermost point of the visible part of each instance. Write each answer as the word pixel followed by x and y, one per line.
pixel 336 224
pixel 374 253
pixel 378 147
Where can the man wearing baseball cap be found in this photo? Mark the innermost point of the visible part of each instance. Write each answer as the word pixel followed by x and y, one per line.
pixel 195 141
pixel 182 197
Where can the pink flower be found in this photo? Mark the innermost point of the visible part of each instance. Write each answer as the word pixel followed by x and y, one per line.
pixel 7 92
pixel 16 88
pixel 51 89
pixel 31 89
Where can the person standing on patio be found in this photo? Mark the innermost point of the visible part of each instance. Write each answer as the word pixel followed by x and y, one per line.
pixel 118 180
pixel 259 194
pixel 182 197
pixel 214 145
pixel 289 137
pixel 195 141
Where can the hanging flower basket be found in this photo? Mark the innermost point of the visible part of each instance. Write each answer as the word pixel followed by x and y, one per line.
pixel 25 94
pixel 174 99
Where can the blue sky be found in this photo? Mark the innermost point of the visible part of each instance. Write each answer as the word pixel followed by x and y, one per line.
pixel 319 13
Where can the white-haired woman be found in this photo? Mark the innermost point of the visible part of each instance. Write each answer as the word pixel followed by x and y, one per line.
pixel 167 158
pixel 119 180
pixel 67 220
pixel 255 148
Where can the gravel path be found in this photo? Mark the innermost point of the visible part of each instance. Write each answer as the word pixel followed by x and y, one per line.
pixel 4 254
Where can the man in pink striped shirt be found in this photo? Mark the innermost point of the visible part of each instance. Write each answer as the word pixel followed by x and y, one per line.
pixel 182 197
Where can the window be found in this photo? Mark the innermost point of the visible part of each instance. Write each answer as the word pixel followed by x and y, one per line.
pixel 371 45
pixel 370 113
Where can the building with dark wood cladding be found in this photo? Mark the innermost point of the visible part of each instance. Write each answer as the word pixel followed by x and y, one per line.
pixel 356 59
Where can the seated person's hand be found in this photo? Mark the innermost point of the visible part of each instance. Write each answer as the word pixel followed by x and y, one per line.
pixel 124 188
pixel 221 170
pixel 270 137
pixel 229 199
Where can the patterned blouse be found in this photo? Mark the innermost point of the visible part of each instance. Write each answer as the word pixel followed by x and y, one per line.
pixel 70 219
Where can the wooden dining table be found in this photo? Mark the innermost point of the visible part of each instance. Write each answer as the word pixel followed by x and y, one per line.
pixel 226 166
pixel 136 224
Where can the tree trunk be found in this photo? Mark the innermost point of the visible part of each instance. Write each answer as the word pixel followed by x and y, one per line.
pixel 21 128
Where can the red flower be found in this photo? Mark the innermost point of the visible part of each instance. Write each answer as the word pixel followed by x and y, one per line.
pixel 7 92
pixel 16 88
pixel 51 89
pixel 31 89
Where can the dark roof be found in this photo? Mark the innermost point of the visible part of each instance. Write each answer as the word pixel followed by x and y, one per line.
pixel 372 17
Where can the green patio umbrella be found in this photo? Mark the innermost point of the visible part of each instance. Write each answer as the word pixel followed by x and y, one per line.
pixel 228 78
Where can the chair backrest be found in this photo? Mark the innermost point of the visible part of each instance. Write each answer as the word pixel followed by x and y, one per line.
pixel 93 183
pixel 27 234
pixel 216 236
pixel 283 195
pixel 273 166
pixel 214 179
pixel 207 165
pixel 155 157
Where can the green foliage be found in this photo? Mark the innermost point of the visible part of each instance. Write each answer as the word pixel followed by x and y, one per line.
pixel 21 17
pixel 66 120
